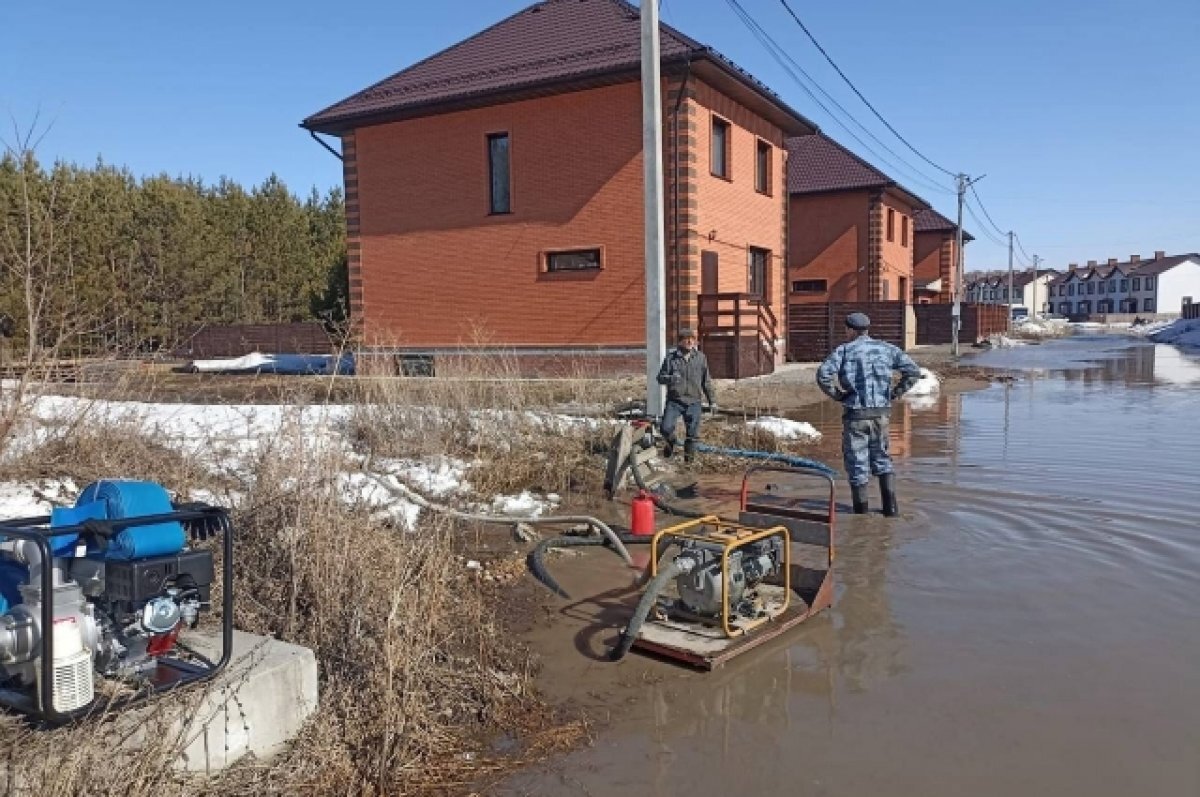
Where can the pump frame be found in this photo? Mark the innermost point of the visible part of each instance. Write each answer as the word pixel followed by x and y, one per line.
pixel 178 673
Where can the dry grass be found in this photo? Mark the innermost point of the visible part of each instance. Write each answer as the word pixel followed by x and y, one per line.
pixel 417 674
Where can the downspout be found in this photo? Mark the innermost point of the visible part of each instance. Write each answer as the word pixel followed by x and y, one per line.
pixel 678 293
pixel 332 151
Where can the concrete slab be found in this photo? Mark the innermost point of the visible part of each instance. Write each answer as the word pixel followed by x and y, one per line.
pixel 256 706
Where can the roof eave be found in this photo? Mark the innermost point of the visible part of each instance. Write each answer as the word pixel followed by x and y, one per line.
pixel 770 106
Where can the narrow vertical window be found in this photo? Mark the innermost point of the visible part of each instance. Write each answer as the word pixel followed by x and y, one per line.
pixel 762 168
pixel 904 230
pixel 720 148
pixel 891 225
pixel 758 271
pixel 499 171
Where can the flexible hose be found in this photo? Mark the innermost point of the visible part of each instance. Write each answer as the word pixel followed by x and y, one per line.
pixel 769 456
pixel 401 491
pixel 649 598
pixel 658 500
pixel 536 560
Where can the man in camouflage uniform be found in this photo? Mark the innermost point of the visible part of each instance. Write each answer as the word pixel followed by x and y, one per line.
pixel 858 374
pixel 684 372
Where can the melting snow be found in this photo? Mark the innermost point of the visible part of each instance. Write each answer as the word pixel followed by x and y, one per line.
pixel 786 429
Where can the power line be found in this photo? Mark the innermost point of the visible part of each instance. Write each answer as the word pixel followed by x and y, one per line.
pixel 979 201
pixel 779 54
pixel 1021 246
pixel 983 228
pixel 878 115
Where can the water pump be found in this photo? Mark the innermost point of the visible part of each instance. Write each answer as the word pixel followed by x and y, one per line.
pixel 105 589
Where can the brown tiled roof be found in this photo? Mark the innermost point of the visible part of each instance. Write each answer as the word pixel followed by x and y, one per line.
pixel 1142 268
pixel 929 220
pixel 551 43
pixel 817 164
pixel 1150 268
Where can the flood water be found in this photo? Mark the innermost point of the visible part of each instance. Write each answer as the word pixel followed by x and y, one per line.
pixel 1030 626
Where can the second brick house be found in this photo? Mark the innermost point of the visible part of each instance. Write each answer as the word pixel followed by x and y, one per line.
pixel 494 190
pixel 935 250
pixel 850 235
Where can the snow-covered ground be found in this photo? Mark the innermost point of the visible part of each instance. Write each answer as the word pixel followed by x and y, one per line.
pixel 786 429
pixel 930 384
pixel 1180 333
pixel 1040 327
pixel 228 440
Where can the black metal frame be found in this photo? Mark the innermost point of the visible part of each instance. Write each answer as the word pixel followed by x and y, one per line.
pixel 38 531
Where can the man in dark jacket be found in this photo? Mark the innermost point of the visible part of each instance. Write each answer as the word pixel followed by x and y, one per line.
pixel 858 374
pixel 685 374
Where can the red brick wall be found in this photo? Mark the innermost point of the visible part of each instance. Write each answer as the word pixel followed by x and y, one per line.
pixel 828 239
pixel 934 259
pixel 731 214
pixel 896 262
pixel 438 270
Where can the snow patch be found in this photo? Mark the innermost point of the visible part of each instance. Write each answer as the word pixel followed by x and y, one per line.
pixel 930 384
pixel 1179 333
pixel 786 429
pixel 524 505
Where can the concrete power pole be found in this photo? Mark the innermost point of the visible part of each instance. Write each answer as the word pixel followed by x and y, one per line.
pixel 652 155
pixel 1010 280
pixel 956 313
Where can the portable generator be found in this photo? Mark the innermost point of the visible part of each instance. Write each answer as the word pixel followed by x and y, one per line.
pixel 105 588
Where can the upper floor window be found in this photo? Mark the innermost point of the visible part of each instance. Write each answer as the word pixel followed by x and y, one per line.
pixel 1091 288
pixel 1103 287
pixel 1149 283
pixel 904 230
pixel 720 147
pixel 762 168
pixel 1137 283
pixel 1112 286
pixel 1070 290
pixel 499 173
pixel 1124 285
pixel 891 225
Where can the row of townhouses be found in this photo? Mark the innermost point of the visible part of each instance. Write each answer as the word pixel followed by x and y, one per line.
pixel 1162 285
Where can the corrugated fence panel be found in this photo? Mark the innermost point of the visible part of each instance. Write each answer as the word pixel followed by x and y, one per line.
pixel 814 330
pixel 235 340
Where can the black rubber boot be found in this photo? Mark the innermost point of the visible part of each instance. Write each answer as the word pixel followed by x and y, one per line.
pixel 887 490
pixel 859 494
pixel 669 449
pixel 689 450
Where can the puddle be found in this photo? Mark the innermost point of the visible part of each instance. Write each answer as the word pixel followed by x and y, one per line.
pixel 1028 626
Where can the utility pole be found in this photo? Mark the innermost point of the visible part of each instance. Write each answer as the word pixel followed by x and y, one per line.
pixel 1010 280
pixel 964 182
pixel 1034 310
pixel 652 157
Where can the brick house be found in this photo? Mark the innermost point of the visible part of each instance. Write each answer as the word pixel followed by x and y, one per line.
pixel 934 255
pixel 850 236
pixel 494 190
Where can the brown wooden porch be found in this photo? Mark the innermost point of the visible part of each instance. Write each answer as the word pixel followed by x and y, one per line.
pixel 738 333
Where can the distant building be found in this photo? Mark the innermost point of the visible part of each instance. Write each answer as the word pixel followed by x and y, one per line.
pixel 1031 290
pixel 1158 286
pixel 934 257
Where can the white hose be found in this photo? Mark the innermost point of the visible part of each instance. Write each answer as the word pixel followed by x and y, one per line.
pixel 401 491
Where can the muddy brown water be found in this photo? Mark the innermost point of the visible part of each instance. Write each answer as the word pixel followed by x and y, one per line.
pixel 1029 626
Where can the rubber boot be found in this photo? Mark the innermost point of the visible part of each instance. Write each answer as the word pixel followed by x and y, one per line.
pixel 669 448
pixel 689 450
pixel 859 493
pixel 887 491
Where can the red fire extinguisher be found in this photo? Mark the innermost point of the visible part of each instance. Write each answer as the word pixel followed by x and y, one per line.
pixel 642 521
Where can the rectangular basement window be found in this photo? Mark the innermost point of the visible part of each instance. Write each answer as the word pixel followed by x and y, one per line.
pixel 573 260
pixel 810 286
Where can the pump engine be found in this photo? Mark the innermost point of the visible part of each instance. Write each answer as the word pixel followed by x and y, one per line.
pixel 121 591
pixel 701 585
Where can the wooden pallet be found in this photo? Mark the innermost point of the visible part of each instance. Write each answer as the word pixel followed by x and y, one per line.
pixel 706 647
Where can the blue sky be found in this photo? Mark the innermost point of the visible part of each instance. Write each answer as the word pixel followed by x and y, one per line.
pixel 1085 116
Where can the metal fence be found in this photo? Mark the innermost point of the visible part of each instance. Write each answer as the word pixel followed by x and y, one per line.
pixel 814 330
